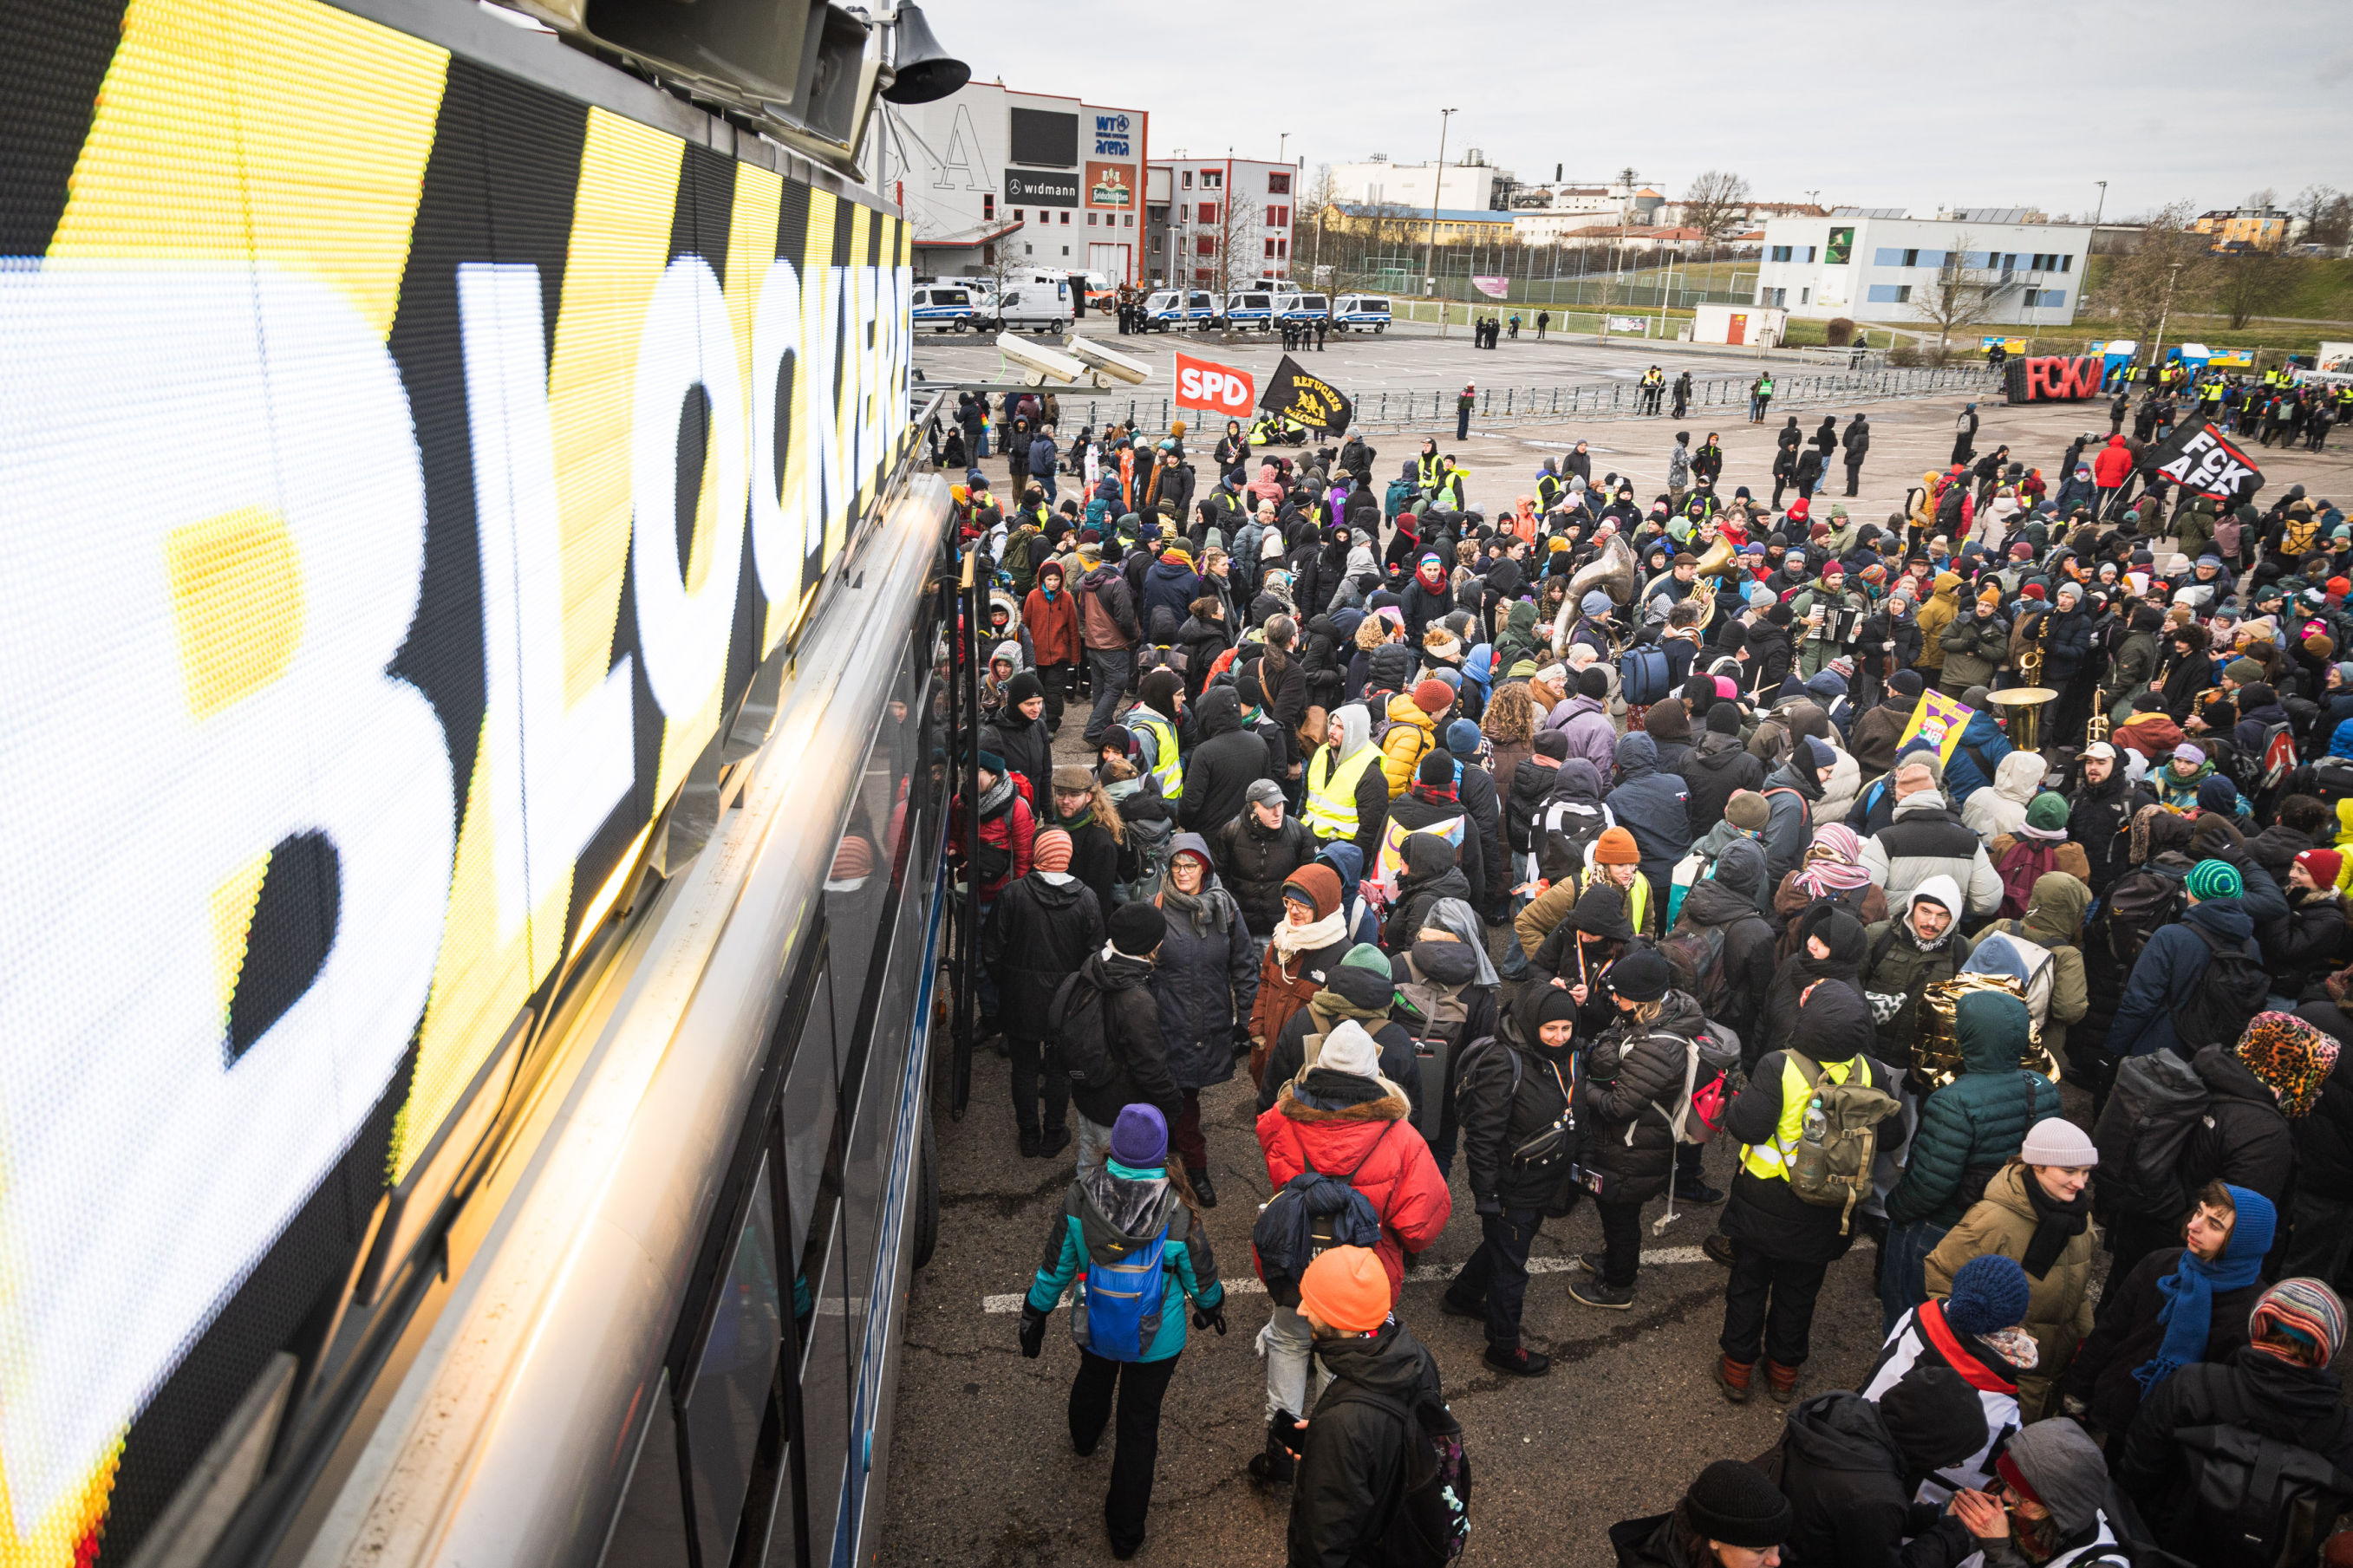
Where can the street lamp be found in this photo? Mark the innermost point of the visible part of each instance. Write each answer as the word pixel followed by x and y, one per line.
pixel 1282 142
pixel 2100 208
pixel 1429 240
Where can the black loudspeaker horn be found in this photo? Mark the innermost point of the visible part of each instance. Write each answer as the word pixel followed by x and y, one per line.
pixel 926 72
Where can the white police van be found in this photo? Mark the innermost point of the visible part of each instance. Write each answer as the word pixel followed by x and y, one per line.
pixel 1307 308
pixel 1259 308
pixel 949 308
pixel 1361 312
pixel 1178 307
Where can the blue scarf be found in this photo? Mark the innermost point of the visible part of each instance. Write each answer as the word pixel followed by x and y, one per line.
pixel 2187 1313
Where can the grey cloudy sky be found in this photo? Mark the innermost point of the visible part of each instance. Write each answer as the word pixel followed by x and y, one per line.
pixel 1995 103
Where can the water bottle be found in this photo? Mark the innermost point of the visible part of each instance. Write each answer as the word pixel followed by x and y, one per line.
pixel 1816 1123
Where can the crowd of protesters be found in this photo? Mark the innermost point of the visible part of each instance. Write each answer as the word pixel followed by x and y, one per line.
pixel 1557 840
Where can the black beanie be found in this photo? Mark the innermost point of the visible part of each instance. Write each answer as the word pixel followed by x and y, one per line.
pixel 1723 718
pixel 1699 692
pixel 1643 976
pixel 1136 929
pixel 1905 683
pixel 1593 682
pixel 1022 687
pixel 1553 744
pixel 1935 1417
pixel 1736 1504
pixel 1555 1006
pixel 1436 769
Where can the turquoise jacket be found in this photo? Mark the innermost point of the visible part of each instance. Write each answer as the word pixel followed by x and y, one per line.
pixel 1110 1212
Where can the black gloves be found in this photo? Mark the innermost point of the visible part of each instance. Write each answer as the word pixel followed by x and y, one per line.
pixel 1488 1205
pixel 1210 1317
pixel 1033 1330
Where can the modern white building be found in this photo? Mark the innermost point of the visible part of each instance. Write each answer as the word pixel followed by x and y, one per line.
pixel 1880 267
pixel 1471 182
pixel 1194 205
pixel 1038 179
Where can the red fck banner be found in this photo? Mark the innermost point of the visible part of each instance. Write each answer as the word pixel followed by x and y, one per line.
pixel 1219 388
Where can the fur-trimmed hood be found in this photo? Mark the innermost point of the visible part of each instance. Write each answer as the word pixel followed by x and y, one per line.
pixel 1319 1105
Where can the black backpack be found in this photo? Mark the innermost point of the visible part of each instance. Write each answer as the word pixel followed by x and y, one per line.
pixel 2232 990
pixel 2139 902
pixel 2251 1501
pixel 2158 1102
pixel 1307 1215
pixel 1428 1507
pixel 1086 1051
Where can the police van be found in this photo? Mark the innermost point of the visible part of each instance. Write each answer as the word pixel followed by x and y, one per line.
pixel 1361 312
pixel 1039 307
pixel 1259 308
pixel 1177 308
pixel 948 308
pixel 1307 308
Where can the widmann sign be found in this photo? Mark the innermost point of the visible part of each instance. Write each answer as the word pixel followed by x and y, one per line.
pixel 2054 378
pixel 403 469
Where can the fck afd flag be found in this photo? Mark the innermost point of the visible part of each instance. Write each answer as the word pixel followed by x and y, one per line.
pixel 2204 462
pixel 1309 400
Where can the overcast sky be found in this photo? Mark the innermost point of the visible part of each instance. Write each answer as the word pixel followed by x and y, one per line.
pixel 1871 105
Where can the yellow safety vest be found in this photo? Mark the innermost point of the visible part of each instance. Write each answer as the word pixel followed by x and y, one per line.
pixel 1429 471
pixel 1638 903
pixel 1767 1161
pixel 1170 772
pixel 1332 791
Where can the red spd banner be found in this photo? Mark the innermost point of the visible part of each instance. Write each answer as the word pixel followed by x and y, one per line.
pixel 1220 388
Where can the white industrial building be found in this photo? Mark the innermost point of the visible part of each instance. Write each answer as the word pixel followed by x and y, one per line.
pixel 1471 182
pixel 1192 205
pixel 1046 180
pixel 1878 264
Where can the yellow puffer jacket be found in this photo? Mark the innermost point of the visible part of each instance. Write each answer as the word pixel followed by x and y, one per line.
pixel 1411 734
pixel 1935 617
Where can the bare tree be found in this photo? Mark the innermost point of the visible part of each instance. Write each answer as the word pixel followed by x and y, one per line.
pixel 1239 261
pixel 1716 205
pixel 2327 214
pixel 1959 296
pixel 1322 195
pixel 2248 284
pixel 2170 262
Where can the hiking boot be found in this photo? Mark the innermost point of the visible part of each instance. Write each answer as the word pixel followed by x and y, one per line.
pixel 1054 1140
pixel 1696 1193
pixel 1027 1139
pixel 1780 1382
pixel 1718 1248
pixel 1204 1190
pixel 1594 1291
pixel 1732 1376
pixel 1519 1361
pixel 1453 1306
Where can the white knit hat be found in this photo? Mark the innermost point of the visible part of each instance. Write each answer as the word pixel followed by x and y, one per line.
pixel 1350 1050
pixel 2055 1141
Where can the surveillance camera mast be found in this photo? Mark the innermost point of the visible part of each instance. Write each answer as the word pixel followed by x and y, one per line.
pixel 1414 774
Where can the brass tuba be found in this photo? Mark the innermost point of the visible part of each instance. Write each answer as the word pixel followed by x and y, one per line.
pixel 1612 571
pixel 1936 1037
pixel 1718 563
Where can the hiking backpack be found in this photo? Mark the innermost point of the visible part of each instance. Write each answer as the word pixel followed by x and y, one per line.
pixel 1644 676
pixel 1831 1167
pixel 2233 989
pixel 1563 834
pixel 2251 1501
pixel 2020 866
pixel 1116 1313
pixel 1307 1215
pixel 2156 1103
pixel 1428 1507
pixel 1087 1056
pixel 1697 954
pixel 1439 1014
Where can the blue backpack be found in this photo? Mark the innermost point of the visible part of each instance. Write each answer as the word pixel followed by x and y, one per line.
pixel 1308 1214
pixel 1117 1312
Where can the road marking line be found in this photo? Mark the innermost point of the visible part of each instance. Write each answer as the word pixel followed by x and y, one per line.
pixel 1658 1256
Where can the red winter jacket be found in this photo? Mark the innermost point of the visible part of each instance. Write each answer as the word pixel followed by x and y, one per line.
pixel 1013 828
pixel 1399 1178
pixel 2114 461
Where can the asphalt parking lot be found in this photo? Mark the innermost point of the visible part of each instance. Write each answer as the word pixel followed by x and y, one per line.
pixel 981 1471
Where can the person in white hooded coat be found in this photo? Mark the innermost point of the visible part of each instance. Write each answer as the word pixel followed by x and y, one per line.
pixel 1991 813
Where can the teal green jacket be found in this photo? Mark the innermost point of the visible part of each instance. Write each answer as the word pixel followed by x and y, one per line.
pixel 1110 1212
